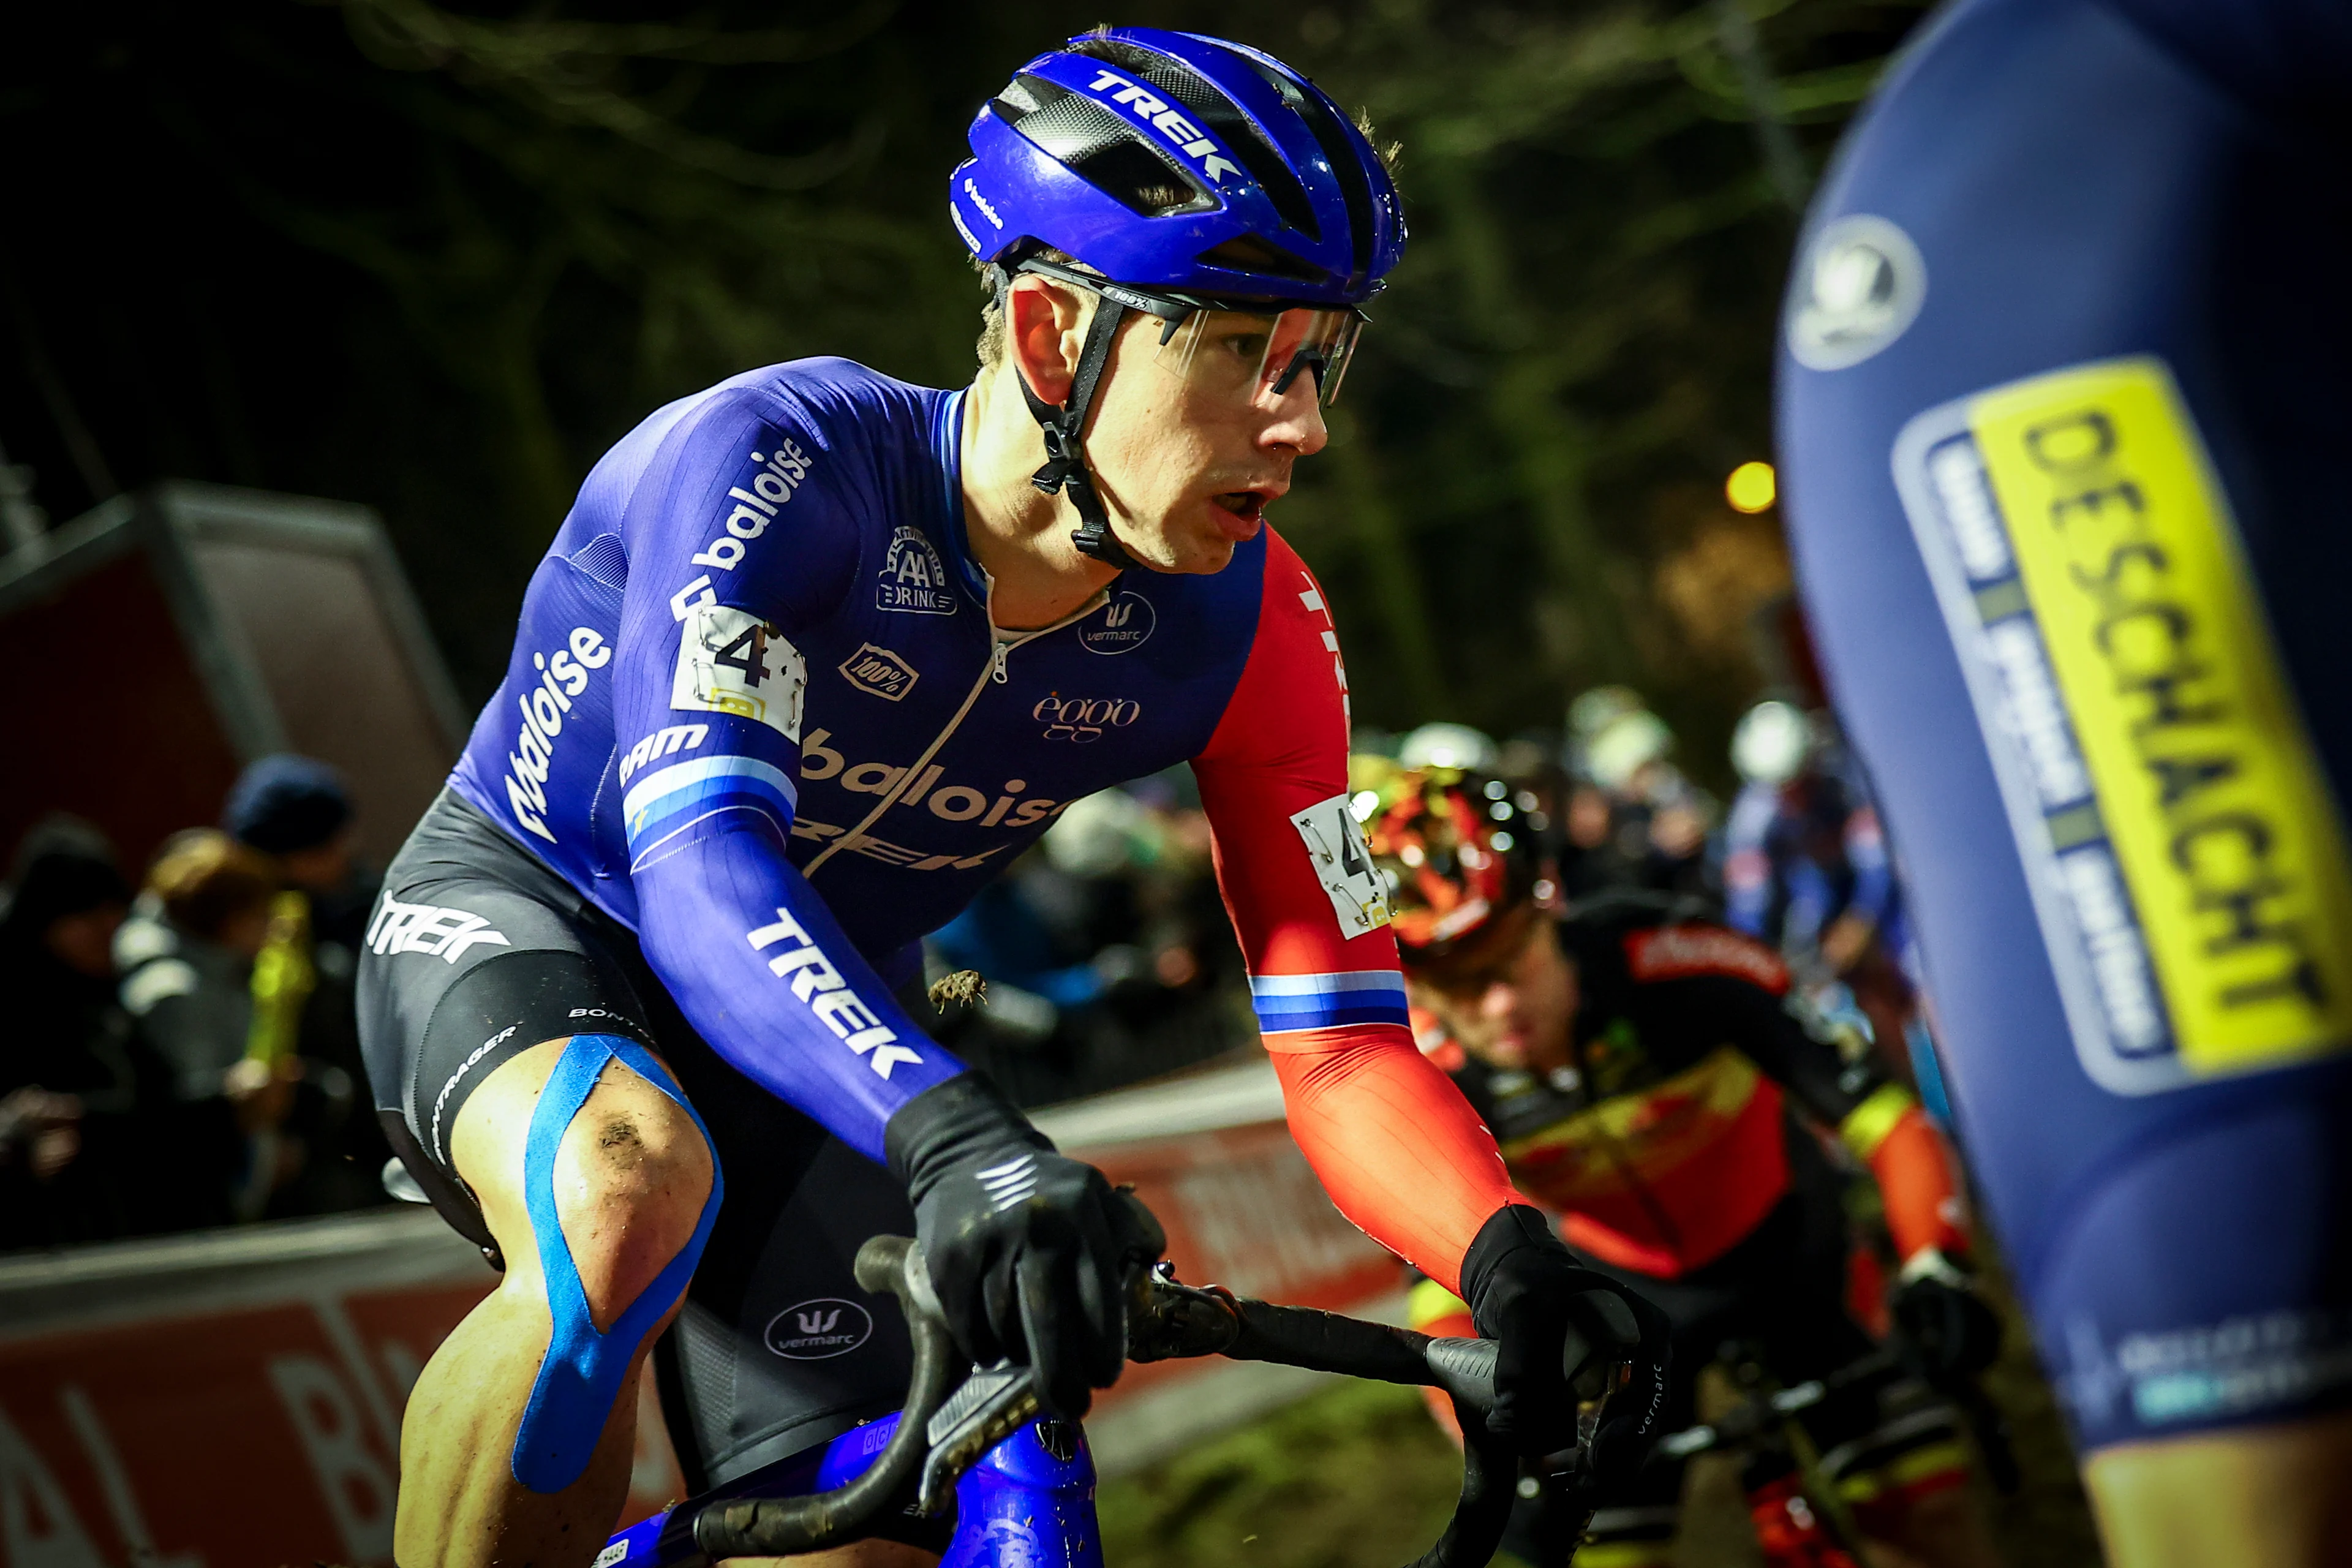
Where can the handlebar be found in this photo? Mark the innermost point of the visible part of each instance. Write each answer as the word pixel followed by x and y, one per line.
pixel 768 1527
pixel 942 1434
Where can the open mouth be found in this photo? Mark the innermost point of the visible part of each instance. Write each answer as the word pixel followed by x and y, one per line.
pixel 1247 508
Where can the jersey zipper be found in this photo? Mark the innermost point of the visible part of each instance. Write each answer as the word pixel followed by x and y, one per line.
pixel 1002 645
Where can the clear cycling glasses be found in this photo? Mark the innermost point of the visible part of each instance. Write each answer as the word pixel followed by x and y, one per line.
pixel 1242 351
pixel 1257 356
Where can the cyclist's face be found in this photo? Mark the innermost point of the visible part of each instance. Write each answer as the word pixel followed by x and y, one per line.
pixel 1514 1012
pixel 1186 459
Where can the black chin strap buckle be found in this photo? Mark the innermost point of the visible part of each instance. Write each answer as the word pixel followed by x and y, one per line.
pixel 1065 470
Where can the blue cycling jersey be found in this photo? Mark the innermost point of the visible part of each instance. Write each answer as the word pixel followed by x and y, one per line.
pixel 761 629
pixel 2060 411
pixel 758 712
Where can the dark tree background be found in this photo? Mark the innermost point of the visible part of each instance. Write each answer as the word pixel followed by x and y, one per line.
pixel 436 260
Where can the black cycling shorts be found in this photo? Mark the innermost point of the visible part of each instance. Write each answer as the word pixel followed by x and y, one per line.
pixel 477 951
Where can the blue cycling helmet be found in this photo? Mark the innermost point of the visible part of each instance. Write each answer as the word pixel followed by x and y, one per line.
pixel 1173 161
pixel 1175 174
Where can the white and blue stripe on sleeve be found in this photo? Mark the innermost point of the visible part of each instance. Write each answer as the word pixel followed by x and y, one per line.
pixel 661 803
pixel 1286 1002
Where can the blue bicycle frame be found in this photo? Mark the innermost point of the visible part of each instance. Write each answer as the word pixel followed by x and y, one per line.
pixel 1021 1506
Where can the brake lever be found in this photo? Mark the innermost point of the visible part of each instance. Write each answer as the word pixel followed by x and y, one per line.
pixel 994 1403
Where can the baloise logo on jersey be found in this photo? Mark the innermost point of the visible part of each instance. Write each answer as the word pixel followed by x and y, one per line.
pixel 913 578
pixel 561 678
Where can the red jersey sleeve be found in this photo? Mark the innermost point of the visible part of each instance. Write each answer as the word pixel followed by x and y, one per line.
pixel 1395 1144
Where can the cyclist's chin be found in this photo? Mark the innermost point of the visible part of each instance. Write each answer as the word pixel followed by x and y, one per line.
pixel 1192 546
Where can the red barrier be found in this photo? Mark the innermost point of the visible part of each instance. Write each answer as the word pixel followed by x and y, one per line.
pixel 234 1400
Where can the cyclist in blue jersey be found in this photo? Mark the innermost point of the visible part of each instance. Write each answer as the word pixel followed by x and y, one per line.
pixel 816 654
pixel 2061 414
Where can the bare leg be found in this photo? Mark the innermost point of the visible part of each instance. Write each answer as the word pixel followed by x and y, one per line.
pixel 2267 1497
pixel 631 1176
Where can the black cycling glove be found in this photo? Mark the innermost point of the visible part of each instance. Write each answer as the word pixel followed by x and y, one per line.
pixel 1556 1325
pixel 1027 1251
pixel 1945 1324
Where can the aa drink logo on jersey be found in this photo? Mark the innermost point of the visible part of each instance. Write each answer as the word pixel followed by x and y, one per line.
pixel 913 579
pixel 2186 860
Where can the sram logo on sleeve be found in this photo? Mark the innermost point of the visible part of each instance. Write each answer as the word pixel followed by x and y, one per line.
pixel 1335 846
pixel 731 661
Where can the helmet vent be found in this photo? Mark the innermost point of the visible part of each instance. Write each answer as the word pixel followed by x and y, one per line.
pixel 1339 141
pixel 1017 99
pixel 1248 253
pixel 1219 115
pixel 1109 154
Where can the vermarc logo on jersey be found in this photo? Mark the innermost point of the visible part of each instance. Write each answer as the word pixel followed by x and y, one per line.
pixel 1123 624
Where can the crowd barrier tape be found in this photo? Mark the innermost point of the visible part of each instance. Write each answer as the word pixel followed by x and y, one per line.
pixel 233 1399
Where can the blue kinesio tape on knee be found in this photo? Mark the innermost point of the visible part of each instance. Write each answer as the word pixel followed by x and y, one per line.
pixel 582 1375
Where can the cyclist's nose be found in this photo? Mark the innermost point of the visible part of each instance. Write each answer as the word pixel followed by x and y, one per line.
pixel 1297 421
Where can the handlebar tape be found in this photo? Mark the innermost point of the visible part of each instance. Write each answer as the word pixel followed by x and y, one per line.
pixel 1324 1341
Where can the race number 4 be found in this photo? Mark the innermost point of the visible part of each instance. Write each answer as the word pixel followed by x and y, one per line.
pixel 1343 864
pixel 729 661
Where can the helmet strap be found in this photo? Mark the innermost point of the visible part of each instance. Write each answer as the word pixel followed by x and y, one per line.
pixel 1065 468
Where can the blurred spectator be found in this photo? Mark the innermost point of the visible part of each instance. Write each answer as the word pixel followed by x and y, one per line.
pixel 1806 868
pixel 1105 951
pixel 1633 820
pixel 297 811
pixel 92 1140
pixel 1457 746
pixel 186 955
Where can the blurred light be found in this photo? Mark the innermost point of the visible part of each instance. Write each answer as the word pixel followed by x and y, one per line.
pixel 1361 806
pixel 1503 841
pixel 1752 486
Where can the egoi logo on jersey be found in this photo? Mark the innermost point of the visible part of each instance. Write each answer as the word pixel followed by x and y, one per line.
pixel 1083 719
pixel 913 578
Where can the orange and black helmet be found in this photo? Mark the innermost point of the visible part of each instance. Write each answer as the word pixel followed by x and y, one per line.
pixel 1456 852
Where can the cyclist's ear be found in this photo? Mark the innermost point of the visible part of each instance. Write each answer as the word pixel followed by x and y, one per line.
pixel 1044 332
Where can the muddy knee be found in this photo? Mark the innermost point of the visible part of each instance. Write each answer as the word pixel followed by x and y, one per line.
pixel 631 1175
pixel 621 1187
